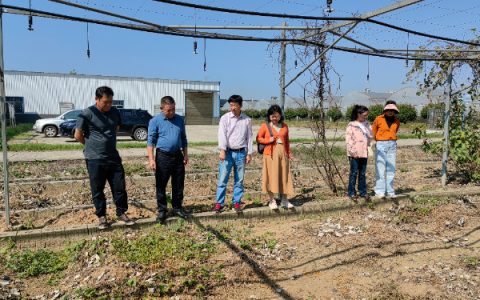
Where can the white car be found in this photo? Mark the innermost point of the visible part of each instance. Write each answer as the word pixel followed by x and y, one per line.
pixel 50 126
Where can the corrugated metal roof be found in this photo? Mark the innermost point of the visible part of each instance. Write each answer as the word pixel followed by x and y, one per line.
pixel 29 73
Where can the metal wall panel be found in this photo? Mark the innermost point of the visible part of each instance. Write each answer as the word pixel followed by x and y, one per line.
pixel 44 91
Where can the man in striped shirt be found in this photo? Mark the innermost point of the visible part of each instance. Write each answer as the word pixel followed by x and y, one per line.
pixel 235 144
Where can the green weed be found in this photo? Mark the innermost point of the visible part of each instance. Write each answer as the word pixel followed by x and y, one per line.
pixel 33 263
pixel 257 202
pixel 134 168
pixel 472 262
pixel 165 243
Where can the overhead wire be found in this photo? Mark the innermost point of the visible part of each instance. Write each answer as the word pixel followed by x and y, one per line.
pixel 303 17
pixel 162 12
pixel 155 28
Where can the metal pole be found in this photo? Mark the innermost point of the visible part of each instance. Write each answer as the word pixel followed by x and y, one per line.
pixel 446 125
pixel 283 62
pixel 321 54
pixel 368 15
pixel 4 129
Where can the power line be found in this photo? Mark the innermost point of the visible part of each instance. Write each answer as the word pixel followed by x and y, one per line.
pixel 289 16
pixel 164 13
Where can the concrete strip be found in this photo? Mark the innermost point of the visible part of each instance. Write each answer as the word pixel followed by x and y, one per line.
pixel 261 212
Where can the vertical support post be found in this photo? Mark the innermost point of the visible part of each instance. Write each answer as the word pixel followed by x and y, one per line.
pixel 4 130
pixel 446 125
pixel 283 62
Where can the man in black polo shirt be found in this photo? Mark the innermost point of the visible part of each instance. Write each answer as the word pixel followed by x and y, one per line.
pixel 96 128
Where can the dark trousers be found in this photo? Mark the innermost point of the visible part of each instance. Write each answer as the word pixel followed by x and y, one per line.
pixel 169 165
pixel 100 172
pixel 358 168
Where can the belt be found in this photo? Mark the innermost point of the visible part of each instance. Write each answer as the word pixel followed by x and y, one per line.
pixel 175 153
pixel 236 150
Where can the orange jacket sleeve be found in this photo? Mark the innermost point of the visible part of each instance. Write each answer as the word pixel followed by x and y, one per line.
pixel 263 137
pixel 375 128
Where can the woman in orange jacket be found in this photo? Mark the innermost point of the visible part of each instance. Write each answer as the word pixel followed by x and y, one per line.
pixel 276 173
pixel 385 128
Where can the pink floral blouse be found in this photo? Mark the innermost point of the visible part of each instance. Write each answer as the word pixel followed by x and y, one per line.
pixel 358 137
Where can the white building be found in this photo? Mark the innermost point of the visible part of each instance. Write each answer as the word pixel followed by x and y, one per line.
pixel 50 94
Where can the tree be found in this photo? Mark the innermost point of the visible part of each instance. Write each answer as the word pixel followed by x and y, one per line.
pixel 334 113
pixel 464 135
pixel 323 152
pixel 408 113
pixel 374 111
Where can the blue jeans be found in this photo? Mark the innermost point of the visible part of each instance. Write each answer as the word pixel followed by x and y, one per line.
pixel 358 168
pixel 385 158
pixel 235 160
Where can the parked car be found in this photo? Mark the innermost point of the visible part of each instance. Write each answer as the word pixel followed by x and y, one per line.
pixel 50 126
pixel 134 123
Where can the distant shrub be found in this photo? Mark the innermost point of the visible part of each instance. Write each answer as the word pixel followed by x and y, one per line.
pixel 408 113
pixel 292 113
pixel 374 111
pixel 255 114
pixel 334 113
pixel 348 113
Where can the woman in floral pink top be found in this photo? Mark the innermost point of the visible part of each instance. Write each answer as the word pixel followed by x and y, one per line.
pixel 358 137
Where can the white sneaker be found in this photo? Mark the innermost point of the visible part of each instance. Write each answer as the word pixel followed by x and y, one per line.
pixel 273 204
pixel 286 204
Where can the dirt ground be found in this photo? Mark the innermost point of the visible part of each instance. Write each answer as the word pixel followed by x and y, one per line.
pixel 44 193
pixel 428 248
pixel 364 253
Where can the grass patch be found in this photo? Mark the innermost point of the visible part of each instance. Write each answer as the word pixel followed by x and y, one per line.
pixel 165 243
pixel 471 262
pixel 43 147
pixel 18 131
pixel 134 168
pixel 419 208
pixel 90 293
pixel 244 238
pixel 28 263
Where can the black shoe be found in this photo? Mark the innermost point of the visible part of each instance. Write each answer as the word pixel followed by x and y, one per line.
pixel 181 213
pixel 161 217
pixel 103 223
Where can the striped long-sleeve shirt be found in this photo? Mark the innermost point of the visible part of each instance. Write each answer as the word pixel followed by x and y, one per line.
pixel 235 132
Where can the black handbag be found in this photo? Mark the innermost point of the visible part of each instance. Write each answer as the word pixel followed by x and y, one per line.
pixel 261 147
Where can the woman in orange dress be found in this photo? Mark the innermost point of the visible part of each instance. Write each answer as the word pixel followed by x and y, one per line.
pixel 276 173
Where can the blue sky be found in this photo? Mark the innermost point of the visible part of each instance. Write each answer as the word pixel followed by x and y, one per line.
pixel 245 68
